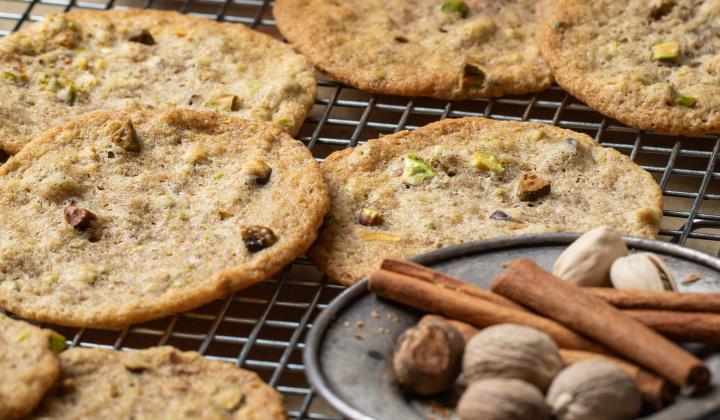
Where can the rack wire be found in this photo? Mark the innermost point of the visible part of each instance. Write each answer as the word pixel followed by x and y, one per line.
pixel 263 328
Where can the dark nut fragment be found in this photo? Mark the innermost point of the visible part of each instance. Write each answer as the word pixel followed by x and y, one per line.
pixel 501 215
pixel 143 37
pixel 472 77
pixel 67 38
pixel 259 171
pixel 78 217
pixel 368 217
pixel 125 136
pixel 228 102
pixel 257 238
pixel 532 187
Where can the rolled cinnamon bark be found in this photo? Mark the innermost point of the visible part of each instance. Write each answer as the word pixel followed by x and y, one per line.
pixel 656 391
pixel 479 312
pixel 421 272
pixel 528 284
pixel 681 326
pixel 668 301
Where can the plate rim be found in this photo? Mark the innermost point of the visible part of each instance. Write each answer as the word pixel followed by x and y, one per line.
pixel 314 339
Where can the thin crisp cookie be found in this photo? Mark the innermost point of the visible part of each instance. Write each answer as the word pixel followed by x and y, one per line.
pixel 461 180
pixel 124 216
pixel 73 63
pixel 448 49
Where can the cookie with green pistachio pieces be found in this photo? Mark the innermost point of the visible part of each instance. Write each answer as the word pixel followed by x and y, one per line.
pixel 160 382
pixel 29 365
pixel 81 61
pixel 448 49
pixel 467 179
pixel 124 216
pixel 653 65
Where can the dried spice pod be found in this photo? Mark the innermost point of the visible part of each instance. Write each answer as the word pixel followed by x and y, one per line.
pixel 502 399
pixel 512 351
pixel 587 261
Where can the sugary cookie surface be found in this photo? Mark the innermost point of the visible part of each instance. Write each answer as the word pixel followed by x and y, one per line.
pixel 461 180
pixel 447 49
pixel 82 61
pixel 123 216
pixel 652 64
pixel 160 382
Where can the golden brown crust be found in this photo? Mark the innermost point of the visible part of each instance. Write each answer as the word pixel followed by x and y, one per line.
pixel 168 235
pixel 600 51
pixel 591 186
pixel 81 61
pixel 356 42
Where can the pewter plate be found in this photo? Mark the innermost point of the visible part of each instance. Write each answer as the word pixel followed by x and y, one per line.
pixel 348 354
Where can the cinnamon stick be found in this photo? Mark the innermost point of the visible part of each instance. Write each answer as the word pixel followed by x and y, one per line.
pixel 528 284
pixel 429 297
pixel 697 327
pixel 656 391
pixel 421 272
pixel 669 301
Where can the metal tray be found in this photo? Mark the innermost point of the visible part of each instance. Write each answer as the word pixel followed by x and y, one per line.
pixel 348 355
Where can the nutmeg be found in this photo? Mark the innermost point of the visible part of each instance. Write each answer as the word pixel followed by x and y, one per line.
pixel 514 352
pixel 502 399
pixel 426 359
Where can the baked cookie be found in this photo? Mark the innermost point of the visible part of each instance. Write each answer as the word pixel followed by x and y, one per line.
pixel 160 382
pixel 653 65
pixel 73 63
pixel 124 216
pixel 461 180
pixel 28 365
pixel 448 49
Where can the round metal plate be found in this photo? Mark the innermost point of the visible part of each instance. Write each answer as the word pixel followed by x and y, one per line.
pixel 348 352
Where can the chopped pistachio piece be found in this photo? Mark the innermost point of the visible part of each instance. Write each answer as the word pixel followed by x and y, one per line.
pixel 499 192
pixel 485 161
pixel 667 51
pixel 285 122
pixel 431 225
pixel 256 238
pixel 142 37
pixel 532 187
pixel 228 102
pixel 219 175
pixel 258 170
pixel 23 335
pixel 124 135
pixel 501 216
pixel 416 170
pixel 472 77
pixel 369 217
pixel 455 6
pixel 683 100
pixel 380 236
pixel 10 77
pixel 78 217
pixel 559 25
pixel 56 342
pixel 71 95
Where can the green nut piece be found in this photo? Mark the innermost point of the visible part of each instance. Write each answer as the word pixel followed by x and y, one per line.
pixel 472 77
pixel 369 217
pixel 485 161
pixel 10 77
pixel 667 52
pixel 683 100
pixel 57 343
pixel 559 26
pixel 455 6
pixel 23 335
pixel 416 170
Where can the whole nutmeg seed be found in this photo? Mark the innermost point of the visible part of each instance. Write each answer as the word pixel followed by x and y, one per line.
pixel 642 271
pixel 594 389
pixel 587 261
pixel 426 359
pixel 502 399
pixel 514 352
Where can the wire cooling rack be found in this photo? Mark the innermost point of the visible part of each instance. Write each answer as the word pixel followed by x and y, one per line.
pixel 263 328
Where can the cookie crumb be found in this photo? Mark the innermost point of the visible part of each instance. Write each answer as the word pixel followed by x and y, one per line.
pixel 374 314
pixel 691 278
pixel 360 324
pixel 358 336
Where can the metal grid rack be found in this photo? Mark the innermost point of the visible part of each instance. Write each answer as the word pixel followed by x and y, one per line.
pixel 263 328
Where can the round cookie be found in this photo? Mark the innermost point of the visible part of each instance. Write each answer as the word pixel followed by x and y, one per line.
pixel 28 366
pixel 160 382
pixel 653 65
pixel 450 49
pixel 73 63
pixel 461 180
pixel 124 216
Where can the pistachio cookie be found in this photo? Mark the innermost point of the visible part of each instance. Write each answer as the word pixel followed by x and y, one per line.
pixel 448 49
pixel 461 180
pixel 73 63
pixel 29 365
pixel 124 216
pixel 653 65
pixel 160 382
